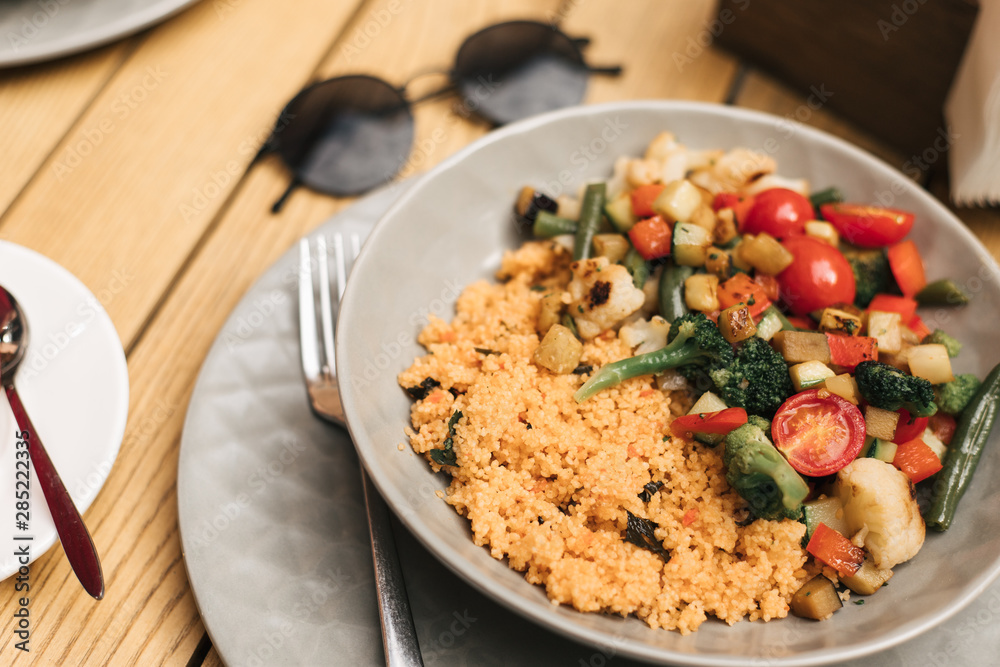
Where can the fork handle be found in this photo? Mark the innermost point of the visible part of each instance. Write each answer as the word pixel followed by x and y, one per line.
pixel 76 540
pixel 399 636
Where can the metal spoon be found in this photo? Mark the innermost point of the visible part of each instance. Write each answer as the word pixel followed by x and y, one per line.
pixel 76 541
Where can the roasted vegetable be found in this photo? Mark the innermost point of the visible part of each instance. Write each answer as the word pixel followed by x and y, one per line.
pixel 757 380
pixel 591 212
pixel 817 599
pixel 695 348
pixel 559 351
pixel 760 474
pixel 971 435
pixel 889 388
pixel 941 338
pixel 952 397
pixel 871 273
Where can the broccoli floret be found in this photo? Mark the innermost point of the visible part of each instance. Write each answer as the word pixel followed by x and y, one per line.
pixel 758 380
pixel 871 274
pixel 941 338
pixel 760 474
pixel 696 348
pixel 952 397
pixel 889 388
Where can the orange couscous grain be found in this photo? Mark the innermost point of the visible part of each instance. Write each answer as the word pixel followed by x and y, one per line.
pixel 548 483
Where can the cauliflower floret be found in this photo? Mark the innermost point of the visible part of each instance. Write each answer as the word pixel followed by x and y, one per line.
pixel 880 506
pixel 735 170
pixel 602 295
pixel 645 335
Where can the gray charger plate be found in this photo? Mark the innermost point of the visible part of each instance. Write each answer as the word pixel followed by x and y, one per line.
pixel 275 540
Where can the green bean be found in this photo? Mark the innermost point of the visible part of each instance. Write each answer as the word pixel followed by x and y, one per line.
pixel 971 435
pixel 591 212
pixel 828 196
pixel 548 225
pixel 568 322
pixel 637 266
pixel 944 292
pixel 672 279
pixel 785 324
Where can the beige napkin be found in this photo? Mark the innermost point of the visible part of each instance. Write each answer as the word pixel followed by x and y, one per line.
pixel 973 114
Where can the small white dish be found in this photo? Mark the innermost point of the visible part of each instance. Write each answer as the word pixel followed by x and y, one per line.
pixel 73 382
pixel 35 31
pixel 451 228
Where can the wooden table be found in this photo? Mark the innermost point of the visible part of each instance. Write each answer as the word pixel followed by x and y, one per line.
pixel 128 166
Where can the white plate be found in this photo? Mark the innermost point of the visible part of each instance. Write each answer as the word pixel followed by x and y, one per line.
pixel 449 230
pixel 37 30
pixel 73 382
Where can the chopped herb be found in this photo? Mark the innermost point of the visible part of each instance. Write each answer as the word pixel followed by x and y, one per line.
pixel 648 490
pixel 642 533
pixel 580 308
pixel 445 455
pixel 455 392
pixel 583 369
pixel 538 288
pixel 420 392
pixel 808 593
pixel 850 326
pixel 859 602
pixel 752 300
pixel 485 350
pixel 528 425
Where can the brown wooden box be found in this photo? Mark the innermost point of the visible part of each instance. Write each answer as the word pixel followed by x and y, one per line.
pixel 888 63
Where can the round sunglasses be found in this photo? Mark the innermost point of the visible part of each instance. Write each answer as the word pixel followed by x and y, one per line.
pixel 346 135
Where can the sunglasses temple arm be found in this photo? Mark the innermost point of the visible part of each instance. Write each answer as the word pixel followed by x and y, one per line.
pixel 280 204
pixel 614 70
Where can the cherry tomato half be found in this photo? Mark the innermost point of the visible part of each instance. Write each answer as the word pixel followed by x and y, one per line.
pixel 779 212
pixel 868 226
pixel 818 277
pixel 818 432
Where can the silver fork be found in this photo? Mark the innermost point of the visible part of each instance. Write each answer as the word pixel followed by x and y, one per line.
pixel 399 637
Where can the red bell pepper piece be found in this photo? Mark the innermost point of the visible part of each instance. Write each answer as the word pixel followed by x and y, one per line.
pixel 741 288
pixel 770 285
pixel 720 422
pixel 890 303
pixel 651 237
pixel 849 351
pixel 832 548
pixel 907 267
pixel 802 322
pixel 643 198
pixel 918 327
pixel 908 427
pixel 917 460
pixel 741 204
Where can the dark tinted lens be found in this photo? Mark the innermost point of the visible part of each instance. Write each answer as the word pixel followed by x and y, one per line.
pixel 346 135
pixel 518 69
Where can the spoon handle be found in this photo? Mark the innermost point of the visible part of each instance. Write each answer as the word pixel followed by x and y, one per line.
pixel 76 541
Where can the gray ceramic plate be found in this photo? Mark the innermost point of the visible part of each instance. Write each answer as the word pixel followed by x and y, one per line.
pixel 450 229
pixel 37 30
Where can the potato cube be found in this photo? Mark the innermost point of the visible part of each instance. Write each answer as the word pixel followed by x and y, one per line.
pixel 690 244
pixel 840 320
pixel 880 423
pixel 736 324
pixel 885 327
pixel 931 362
pixel 550 311
pixel 764 253
pixel 823 231
pixel 845 386
pixel 725 226
pixel 809 374
pixel 612 246
pixel 701 292
pixel 559 351
pixel 704 216
pixel 719 262
pixel 800 346
pixel 678 201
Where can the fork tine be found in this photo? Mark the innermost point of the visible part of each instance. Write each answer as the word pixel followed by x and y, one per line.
pixel 307 314
pixel 325 306
pixel 342 270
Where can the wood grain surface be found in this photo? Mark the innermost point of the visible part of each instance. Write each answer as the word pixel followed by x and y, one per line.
pixel 128 165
